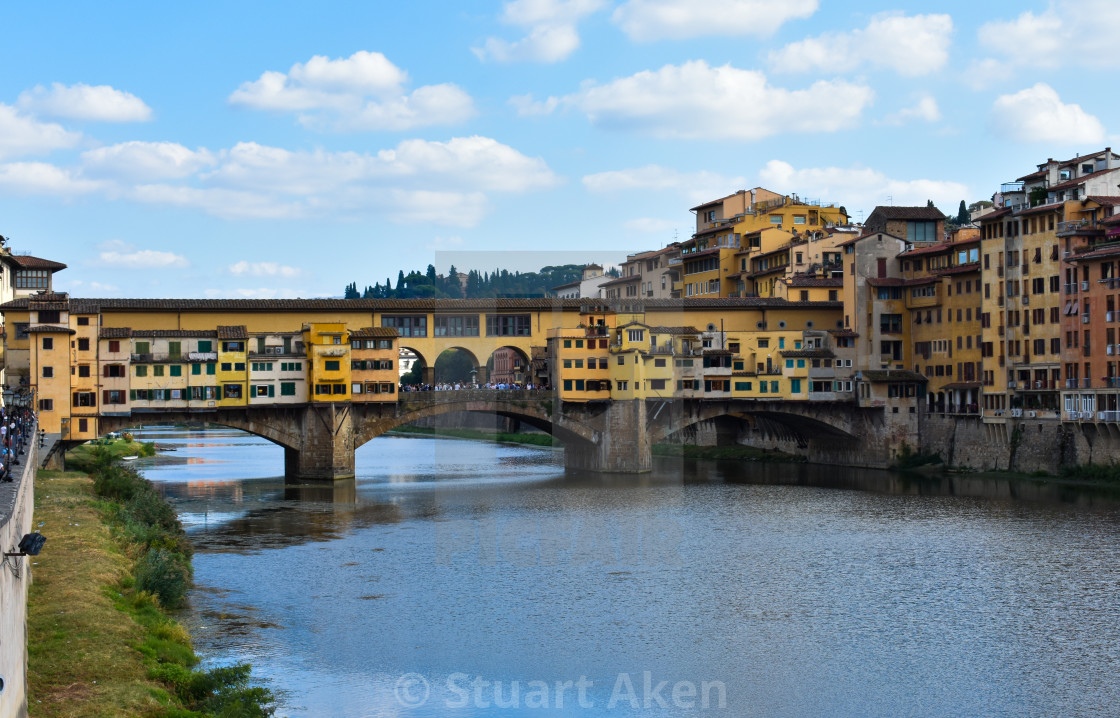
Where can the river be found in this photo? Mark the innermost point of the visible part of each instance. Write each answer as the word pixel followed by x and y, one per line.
pixel 460 578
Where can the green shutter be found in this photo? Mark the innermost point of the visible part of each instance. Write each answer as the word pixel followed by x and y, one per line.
pixel 205 346
pixel 196 369
pixel 210 368
pixel 271 390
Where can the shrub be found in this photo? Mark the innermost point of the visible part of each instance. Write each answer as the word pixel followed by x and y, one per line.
pixel 166 575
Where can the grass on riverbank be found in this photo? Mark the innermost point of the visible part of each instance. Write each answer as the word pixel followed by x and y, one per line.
pixel 98 646
pixel 81 458
pixel 530 439
pixel 737 452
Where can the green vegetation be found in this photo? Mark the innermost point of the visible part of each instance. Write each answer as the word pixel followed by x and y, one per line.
pixel 99 642
pixel 531 439
pixel 499 283
pixel 738 452
pixel 81 457
pixel 909 459
pixel 1098 473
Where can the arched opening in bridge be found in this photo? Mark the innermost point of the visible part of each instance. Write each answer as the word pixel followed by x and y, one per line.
pixel 414 369
pixel 509 365
pixel 457 367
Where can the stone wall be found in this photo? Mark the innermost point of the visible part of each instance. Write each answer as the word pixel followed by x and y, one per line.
pixel 15 577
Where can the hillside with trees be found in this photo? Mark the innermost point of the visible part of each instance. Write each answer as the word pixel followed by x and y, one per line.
pixel 479 285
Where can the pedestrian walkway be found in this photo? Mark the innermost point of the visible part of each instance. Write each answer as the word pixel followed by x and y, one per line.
pixel 49 443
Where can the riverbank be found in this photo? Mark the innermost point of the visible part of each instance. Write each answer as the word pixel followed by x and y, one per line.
pixel 98 645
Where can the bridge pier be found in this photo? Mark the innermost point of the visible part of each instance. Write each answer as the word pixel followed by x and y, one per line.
pixel 326 450
pixel 624 444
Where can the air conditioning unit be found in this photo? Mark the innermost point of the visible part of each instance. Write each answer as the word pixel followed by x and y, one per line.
pixel 1032 414
pixel 1012 384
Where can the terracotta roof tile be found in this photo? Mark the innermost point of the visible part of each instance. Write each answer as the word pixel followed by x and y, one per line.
pixel 233 332
pixel 115 333
pixel 26 261
pixel 370 332
pixel 49 329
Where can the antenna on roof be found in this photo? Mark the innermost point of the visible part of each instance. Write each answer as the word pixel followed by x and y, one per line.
pixel 890 199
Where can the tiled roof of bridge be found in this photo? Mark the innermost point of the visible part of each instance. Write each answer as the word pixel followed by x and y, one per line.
pixel 233 332
pixel 115 333
pixel 367 332
pixel 175 333
pixel 448 305
pixel 49 329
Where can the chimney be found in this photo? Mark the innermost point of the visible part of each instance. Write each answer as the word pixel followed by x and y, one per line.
pixel 1108 158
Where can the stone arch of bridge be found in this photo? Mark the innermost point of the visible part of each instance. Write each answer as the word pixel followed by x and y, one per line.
pixel 273 431
pixel 565 429
pixel 462 350
pixel 525 359
pixel 800 424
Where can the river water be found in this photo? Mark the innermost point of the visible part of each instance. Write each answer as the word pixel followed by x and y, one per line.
pixel 459 578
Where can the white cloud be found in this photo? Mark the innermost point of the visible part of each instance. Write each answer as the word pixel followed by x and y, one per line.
pixel 649 20
pixel 120 255
pixel 362 92
pixel 551 26
pixel 1069 33
pixel 220 202
pixel 454 209
pixel 21 135
pixel 909 45
pixel 88 289
pixel 696 101
pixel 1037 114
pixel 988 72
pixel 695 186
pixel 650 225
pixel 925 110
pixel 526 106
pixel 45 178
pixel 100 103
pixel 444 244
pixel 859 187
pixel 146 160
pixel 259 293
pixel 263 269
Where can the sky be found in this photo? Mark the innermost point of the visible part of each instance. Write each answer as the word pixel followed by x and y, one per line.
pixel 283 149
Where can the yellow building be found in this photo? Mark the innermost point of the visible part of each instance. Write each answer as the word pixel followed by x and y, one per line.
pixel 233 366
pixel 373 364
pixel 328 352
pixel 730 230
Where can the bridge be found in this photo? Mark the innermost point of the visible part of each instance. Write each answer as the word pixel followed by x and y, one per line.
pixel 320 439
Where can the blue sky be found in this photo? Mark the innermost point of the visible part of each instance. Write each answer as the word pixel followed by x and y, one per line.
pixel 287 149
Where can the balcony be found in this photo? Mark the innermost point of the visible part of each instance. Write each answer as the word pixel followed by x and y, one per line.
pixel 1071 288
pixel 1082 227
pixel 1086 383
pixel 1108 415
pixel 1071 383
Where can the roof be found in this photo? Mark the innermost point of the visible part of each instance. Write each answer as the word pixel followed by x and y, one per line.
pixel 932 249
pixel 843 333
pixel 800 280
pixel 233 332
pixel 620 280
pixel 1033 175
pixel 115 333
pixel 1103 200
pixel 962 385
pixel 369 332
pixel 357 306
pixel 882 375
pixel 1077 181
pixel 718 352
pixel 175 333
pixel 1104 250
pixel 676 331
pixel 886 213
pixel 49 329
pixel 996 214
pixel 1039 209
pixel 26 261
pixel 961 269
pixel 867 235
pixel 808 353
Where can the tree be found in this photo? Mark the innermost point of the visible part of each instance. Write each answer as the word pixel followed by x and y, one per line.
pixel 963 217
pixel 453 365
pixel 400 283
pixel 351 291
pixel 415 375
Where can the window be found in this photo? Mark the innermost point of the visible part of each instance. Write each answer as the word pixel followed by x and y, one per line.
pixel 46 405
pixel 210 368
pixel 83 370
pixel 157 370
pixel 742 386
pixel 287 388
pixel 33 279
pixel 114 346
pixel 196 369
pixel 174 349
pixel 635 335
pixel 233 346
pixel 338 388
pixel 84 398
pixel 83 344
pixel 83 321
pixel 83 425
pixel 407 325
pixel 113 371
pixel 227 366
pixel 205 346
pixel 657 384
pixel 48 342
pixel 456 326
pixel 239 366
pixel 176 370
pixel 331 365
pixel 48 372
pixel 508 325
pixel 143 348
pixel 231 391
pixel 141 370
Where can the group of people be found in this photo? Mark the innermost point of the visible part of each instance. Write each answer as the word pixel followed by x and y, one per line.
pixel 16 425
pixel 467 386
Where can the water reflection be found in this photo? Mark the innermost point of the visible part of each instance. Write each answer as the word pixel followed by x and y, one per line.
pixel 922 596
